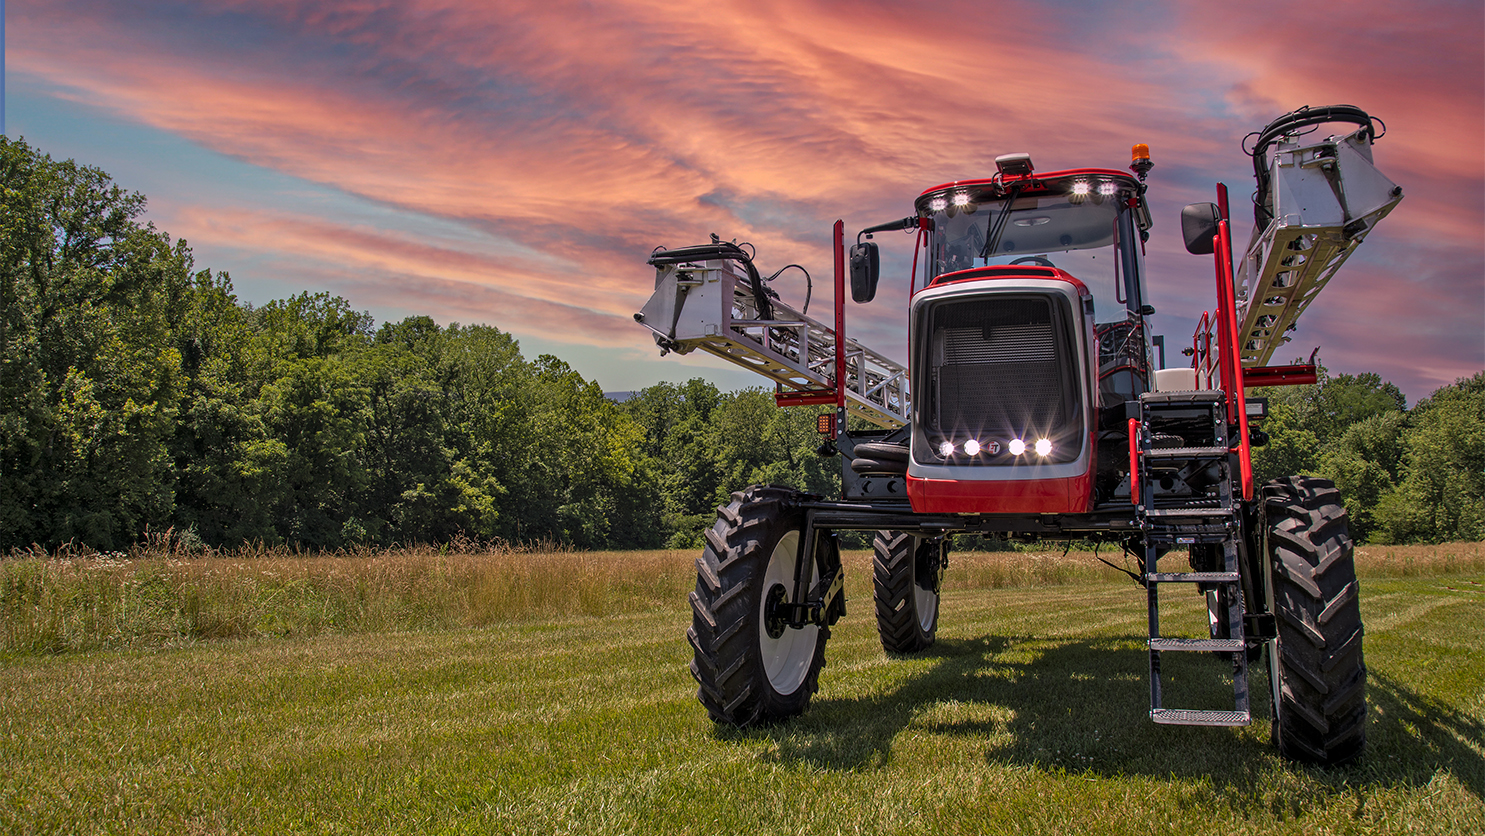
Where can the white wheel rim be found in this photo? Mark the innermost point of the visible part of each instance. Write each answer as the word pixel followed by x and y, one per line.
pixel 786 659
pixel 926 601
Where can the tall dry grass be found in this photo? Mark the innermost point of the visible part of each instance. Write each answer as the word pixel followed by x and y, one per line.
pixel 167 593
pixel 1420 561
pixel 71 602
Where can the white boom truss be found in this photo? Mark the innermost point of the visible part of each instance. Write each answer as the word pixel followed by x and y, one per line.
pixel 709 305
pixel 1326 197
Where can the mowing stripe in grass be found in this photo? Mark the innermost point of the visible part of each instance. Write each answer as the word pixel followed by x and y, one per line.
pixel 1027 716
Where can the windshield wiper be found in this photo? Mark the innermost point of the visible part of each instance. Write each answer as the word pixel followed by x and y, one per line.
pixel 997 229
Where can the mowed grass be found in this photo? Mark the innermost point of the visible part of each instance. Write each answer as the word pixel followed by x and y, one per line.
pixel 1027 716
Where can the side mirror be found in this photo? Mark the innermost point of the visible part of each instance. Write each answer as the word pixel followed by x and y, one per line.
pixel 866 268
pixel 1198 225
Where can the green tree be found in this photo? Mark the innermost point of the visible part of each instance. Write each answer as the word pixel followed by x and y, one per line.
pixel 484 385
pixel 585 484
pixel 228 468
pixel 1345 400
pixel 1307 423
pixel 90 377
pixel 1441 495
pixel 303 388
pixel 678 437
pixel 757 442
pixel 1366 463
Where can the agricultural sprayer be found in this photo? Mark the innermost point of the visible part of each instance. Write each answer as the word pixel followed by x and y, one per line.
pixel 1032 408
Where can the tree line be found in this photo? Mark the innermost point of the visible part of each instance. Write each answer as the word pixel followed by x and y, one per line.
pixel 138 394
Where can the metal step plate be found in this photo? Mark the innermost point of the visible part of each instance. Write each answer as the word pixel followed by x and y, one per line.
pixel 1196 644
pixel 1198 717
pixel 1194 513
pixel 1192 577
pixel 1185 452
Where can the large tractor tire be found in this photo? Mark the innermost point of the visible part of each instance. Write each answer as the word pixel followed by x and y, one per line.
pixel 906 576
pixel 752 669
pixel 1318 674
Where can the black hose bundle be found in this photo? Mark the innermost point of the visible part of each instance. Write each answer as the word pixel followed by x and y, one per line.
pixel 1305 117
pixel 720 250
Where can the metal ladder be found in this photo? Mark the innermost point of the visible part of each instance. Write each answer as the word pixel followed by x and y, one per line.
pixel 1186 521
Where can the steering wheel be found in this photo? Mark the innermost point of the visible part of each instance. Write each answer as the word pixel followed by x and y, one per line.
pixel 1035 259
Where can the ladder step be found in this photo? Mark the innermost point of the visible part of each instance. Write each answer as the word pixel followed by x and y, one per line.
pixel 1156 400
pixel 1197 717
pixel 1188 512
pixel 1192 577
pixel 1185 536
pixel 1185 452
pixel 1196 644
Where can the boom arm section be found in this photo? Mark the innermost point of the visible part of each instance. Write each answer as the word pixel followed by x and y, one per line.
pixel 713 304
pixel 1321 200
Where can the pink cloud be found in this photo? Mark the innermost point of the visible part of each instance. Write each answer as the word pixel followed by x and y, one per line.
pixel 574 137
pixel 393 270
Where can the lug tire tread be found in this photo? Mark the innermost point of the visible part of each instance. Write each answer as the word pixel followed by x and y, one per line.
pixel 727 663
pixel 893 567
pixel 1322 673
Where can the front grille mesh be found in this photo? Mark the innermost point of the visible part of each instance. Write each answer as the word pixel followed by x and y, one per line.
pixel 1006 344
pixel 995 367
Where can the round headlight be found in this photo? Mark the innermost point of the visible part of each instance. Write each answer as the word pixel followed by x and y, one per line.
pixel 946 449
pixel 971 448
pixel 1017 447
pixel 1043 447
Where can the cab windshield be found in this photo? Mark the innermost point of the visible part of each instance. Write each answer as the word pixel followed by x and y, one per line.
pixel 1085 231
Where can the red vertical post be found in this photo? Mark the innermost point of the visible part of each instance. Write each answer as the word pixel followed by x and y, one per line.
pixel 840 324
pixel 1230 346
pixel 1134 460
pixel 920 242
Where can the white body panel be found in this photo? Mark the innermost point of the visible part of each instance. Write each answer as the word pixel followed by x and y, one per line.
pixel 1087 358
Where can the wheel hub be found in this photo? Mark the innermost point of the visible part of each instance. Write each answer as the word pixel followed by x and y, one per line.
pixel 774 621
pixel 930 567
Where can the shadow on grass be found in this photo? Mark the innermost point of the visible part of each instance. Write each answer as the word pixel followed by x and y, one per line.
pixel 1080 706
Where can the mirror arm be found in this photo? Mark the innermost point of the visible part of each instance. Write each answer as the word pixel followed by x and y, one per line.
pixel 910 222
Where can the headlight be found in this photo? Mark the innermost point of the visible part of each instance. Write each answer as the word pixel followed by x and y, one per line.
pixel 1017 447
pixel 1044 447
pixel 971 448
pixel 946 449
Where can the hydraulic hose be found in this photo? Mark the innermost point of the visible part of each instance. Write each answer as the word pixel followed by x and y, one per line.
pixel 1263 200
pixel 720 250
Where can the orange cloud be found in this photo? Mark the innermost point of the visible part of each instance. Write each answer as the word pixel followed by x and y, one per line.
pixel 571 138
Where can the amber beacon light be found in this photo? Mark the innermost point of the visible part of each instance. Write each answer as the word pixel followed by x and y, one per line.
pixel 1140 160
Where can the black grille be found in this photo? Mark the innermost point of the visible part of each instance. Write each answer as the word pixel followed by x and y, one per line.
pixel 995 367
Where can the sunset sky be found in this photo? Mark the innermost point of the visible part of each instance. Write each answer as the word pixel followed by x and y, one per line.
pixel 513 163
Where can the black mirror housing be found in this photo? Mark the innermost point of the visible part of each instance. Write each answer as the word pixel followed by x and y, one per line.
pixel 1198 226
pixel 866 268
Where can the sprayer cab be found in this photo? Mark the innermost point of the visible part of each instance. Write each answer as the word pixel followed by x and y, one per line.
pixel 1029 338
pixel 1089 223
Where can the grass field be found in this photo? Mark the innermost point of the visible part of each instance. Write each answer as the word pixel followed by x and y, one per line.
pixel 494 693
